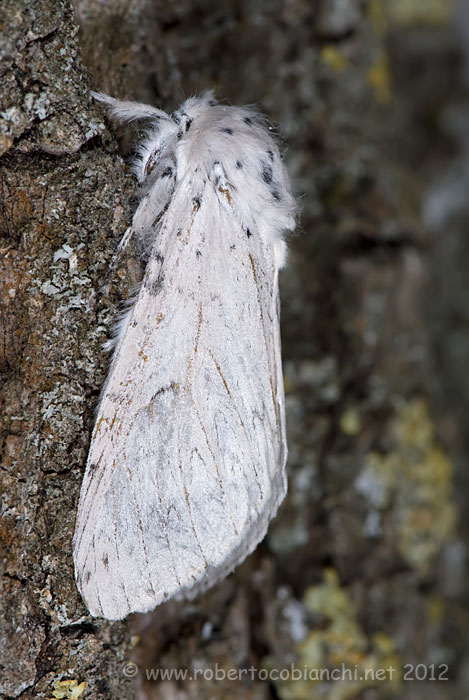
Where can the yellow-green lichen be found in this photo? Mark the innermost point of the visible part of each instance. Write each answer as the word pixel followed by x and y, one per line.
pixel 415 12
pixel 413 480
pixel 333 58
pixel 379 77
pixel 350 421
pixel 376 11
pixel 67 690
pixel 435 610
pixel 385 14
pixel 336 659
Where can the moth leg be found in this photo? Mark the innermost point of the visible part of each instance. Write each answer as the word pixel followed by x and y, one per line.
pixel 124 242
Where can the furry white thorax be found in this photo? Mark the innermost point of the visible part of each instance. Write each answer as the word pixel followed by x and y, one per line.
pixel 201 141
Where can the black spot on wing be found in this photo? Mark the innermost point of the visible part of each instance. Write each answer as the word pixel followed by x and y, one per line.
pixel 196 204
pixel 158 257
pixel 178 116
pixel 227 130
pixel 267 173
pixel 105 560
pixel 247 120
pixel 276 195
pixel 155 286
pixel 173 386
pixel 217 172
pixel 271 156
pixel 167 172
pixel 198 253
pixel 248 233
pixel 239 165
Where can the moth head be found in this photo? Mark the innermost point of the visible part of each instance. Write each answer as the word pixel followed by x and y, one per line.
pixel 161 134
pixel 156 153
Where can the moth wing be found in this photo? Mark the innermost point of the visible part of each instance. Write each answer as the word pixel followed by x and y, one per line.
pixel 186 464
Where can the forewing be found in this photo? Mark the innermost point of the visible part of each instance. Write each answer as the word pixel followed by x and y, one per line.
pixel 186 465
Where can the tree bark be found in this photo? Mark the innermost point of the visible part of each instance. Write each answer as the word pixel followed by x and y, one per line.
pixel 61 216
pixel 364 565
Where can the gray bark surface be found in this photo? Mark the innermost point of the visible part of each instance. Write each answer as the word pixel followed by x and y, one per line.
pixel 364 565
pixel 60 218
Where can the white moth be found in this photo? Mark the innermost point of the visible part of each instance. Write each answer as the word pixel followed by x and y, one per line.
pixel 187 460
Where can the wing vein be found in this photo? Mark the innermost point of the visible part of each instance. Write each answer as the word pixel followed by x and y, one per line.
pixel 117 549
pixel 139 520
pixel 241 422
pixel 220 483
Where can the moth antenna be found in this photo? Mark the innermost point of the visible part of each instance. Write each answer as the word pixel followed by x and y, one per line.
pixel 128 111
